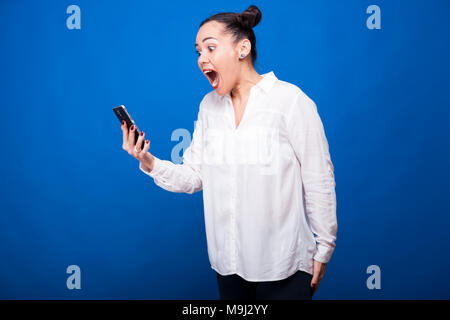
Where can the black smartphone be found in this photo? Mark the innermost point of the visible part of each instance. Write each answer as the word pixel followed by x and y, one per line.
pixel 123 115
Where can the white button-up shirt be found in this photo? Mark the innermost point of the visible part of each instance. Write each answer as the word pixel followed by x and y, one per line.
pixel 268 185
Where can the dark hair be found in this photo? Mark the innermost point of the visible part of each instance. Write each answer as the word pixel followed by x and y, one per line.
pixel 240 25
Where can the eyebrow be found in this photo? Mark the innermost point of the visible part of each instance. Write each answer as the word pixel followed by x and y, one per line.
pixel 205 40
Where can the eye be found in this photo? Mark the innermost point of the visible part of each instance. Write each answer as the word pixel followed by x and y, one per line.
pixel 209 47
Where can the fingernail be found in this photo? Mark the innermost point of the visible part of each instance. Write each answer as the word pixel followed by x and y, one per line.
pixel 132 127
pixel 148 141
pixel 123 122
pixel 142 133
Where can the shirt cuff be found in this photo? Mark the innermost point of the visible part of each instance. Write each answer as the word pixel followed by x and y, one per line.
pixel 323 253
pixel 157 168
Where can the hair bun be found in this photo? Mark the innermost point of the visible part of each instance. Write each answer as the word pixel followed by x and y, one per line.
pixel 250 17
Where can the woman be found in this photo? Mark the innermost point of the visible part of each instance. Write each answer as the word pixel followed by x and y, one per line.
pixel 260 155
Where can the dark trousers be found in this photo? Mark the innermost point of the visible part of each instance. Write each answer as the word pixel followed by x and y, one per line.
pixel 295 287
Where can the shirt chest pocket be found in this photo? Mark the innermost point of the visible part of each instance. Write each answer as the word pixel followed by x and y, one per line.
pixel 252 145
pixel 256 145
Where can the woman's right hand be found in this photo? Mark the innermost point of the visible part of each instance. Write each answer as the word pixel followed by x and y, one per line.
pixel 141 154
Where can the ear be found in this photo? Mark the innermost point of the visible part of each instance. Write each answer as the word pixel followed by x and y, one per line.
pixel 244 47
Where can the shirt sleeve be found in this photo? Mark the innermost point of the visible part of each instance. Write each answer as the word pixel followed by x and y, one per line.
pixel 185 177
pixel 307 137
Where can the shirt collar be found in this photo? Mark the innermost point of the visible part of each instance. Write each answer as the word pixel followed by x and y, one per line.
pixel 265 84
pixel 267 81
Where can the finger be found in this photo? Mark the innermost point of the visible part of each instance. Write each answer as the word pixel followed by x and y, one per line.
pixel 141 154
pixel 131 138
pixel 314 289
pixel 314 280
pixel 124 128
pixel 146 146
pixel 139 142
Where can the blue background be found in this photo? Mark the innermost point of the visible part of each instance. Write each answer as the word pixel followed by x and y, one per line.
pixel 71 195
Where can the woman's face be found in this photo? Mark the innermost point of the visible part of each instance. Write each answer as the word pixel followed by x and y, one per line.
pixel 217 52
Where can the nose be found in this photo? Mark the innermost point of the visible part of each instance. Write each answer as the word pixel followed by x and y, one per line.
pixel 202 59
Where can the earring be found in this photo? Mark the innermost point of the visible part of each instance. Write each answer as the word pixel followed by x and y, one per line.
pixel 242 56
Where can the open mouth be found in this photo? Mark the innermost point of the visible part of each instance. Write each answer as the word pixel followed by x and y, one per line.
pixel 213 77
